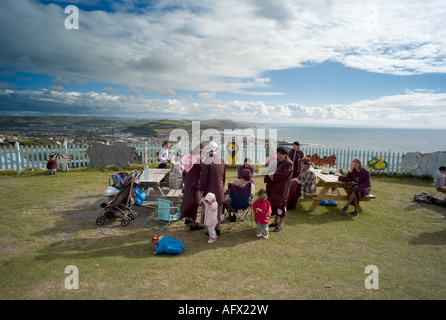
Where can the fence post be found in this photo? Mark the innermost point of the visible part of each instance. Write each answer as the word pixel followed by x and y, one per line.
pixel 17 158
pixel 146 152
pixel 1 158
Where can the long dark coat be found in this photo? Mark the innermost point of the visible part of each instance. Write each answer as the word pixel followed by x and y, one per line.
pixel 213 177
pixel 294 194
pixel 189 207
pixel 295 157
pixel 278 189
pixel 362 178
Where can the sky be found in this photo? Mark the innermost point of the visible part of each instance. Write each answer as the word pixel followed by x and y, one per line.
pixel 334 63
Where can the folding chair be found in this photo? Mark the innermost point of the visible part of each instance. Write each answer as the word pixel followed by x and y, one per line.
pixel 165 214
pixel 240 206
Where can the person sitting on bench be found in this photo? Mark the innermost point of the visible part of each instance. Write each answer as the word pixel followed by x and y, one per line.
pixel 361 185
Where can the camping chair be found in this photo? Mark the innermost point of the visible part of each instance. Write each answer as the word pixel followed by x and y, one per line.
pixel 240 207
pixel 165 214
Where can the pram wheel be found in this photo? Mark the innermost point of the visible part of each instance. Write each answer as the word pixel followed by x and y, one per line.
pixel 100 220
pixel 125 222
pixel 132 216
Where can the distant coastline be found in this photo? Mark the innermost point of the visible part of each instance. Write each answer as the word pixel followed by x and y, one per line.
pixel 87 130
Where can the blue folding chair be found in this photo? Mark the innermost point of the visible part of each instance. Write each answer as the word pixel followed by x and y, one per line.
pixel 165 214
pixel 240 207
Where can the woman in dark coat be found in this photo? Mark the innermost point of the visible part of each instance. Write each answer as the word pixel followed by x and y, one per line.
pixel 212 179
pixel 189 207
pixel 296 155
pixel 360 178
pixel 278 186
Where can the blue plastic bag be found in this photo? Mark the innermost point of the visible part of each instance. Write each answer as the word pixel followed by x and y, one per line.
pixel 140 196
pixel 168 245
pixel 328 203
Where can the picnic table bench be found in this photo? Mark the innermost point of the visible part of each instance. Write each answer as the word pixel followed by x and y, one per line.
pixel 332 189
pixel 175 195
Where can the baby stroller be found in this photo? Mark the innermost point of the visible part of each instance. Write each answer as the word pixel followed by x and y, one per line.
pixel 121 204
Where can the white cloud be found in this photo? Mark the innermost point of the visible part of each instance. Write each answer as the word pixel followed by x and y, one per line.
pixel 206 95
pixel 57 88
pixel 210 47
pixel 110 90
pixel 134 91
pixel 216 46
pixel 417 108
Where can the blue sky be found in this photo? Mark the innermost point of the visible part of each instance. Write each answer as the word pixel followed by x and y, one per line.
pixel 337 63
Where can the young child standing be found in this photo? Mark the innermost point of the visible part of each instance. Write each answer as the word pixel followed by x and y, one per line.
pixel 210 215
pixel 262 211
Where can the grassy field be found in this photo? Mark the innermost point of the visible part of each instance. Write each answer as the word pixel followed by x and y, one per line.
pixel 48 223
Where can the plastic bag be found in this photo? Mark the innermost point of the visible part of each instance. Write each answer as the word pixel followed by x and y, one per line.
pixel 140 196
pixel 168 245
pixel 111 191
pixel 328 203
pixel 175 180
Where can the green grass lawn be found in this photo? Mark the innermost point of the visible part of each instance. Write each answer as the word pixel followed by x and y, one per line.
pixel 48 223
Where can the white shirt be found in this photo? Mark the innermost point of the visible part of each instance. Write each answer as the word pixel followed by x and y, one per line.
pixel 163 155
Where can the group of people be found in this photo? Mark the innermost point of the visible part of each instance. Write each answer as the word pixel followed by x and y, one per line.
pixel 204 186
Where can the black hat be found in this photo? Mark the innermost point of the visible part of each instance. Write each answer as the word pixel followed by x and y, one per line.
pixel 296 143
pixel 282 150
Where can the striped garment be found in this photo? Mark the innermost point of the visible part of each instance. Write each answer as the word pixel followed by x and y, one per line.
pixel 307 179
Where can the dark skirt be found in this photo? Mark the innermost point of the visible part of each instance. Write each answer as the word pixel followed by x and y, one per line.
pixel 280 211
pixel 189 207
pixel 294 194
pixel 361 191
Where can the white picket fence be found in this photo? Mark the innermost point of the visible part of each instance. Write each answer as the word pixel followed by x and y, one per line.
pixel 35 157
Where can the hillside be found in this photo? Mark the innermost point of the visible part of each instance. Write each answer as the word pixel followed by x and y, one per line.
pixel 81 129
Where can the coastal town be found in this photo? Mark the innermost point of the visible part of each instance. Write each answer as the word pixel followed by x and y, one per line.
pixel 56 131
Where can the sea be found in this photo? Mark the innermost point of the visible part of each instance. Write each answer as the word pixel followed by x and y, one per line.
pixel 369 139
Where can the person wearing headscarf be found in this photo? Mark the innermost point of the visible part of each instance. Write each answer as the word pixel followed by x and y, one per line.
pixel 277 187
pixel 191 178
pixel 212 179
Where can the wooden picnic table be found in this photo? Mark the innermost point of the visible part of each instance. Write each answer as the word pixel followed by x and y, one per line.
pixel 154 181
pixel 156 177
pixel 332 189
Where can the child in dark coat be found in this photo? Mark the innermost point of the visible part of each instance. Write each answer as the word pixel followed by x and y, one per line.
pixel 51 166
